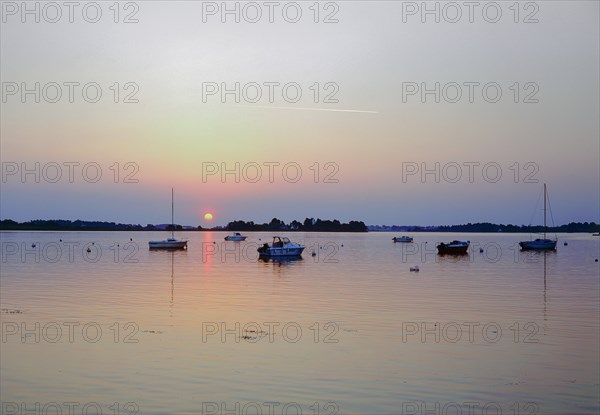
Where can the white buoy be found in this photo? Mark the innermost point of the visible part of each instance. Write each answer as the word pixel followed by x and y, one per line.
pixel 415 268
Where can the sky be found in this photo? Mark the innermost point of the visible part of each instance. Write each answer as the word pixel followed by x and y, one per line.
pixel 380 111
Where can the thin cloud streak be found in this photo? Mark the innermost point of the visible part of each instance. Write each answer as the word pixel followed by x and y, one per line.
pixel 308 109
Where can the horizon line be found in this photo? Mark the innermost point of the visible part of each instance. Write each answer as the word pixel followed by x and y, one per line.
pixel 590 223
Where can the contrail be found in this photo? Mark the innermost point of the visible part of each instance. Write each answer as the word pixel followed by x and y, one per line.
pixel 308 109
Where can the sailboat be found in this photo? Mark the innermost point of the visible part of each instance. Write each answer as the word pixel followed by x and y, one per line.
pixel 540 244
pixel 169 243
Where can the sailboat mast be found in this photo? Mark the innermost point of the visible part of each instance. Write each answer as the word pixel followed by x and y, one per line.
pixel 544 210
pixel 173 220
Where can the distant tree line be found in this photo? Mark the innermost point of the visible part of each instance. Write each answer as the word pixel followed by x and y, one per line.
pixel 309 225
pixel 492 227
pixel 79 225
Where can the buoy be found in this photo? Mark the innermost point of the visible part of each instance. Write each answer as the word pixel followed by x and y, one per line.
pixel 566 244
pixel 415 268
pixel 481 250
pixel 131 239
pixel 60 240
pixel 313 253
pixel 342 245
pixel 33 245
pixel 89 250
pixel 596 260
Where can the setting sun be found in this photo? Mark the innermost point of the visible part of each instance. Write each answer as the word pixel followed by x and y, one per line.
pixel 208 216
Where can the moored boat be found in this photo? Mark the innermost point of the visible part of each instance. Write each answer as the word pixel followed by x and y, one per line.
pixel 453 248
pixel 236 236
pixel 540 244
pixel 402 239
pixel 169 243
pixel 281 247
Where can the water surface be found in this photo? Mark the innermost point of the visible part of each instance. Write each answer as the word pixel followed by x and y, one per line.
pixel 350 330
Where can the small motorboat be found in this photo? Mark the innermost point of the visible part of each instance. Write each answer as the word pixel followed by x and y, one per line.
pixel 402 239
pixel 236 236
pixel 453 248
pixel 281 247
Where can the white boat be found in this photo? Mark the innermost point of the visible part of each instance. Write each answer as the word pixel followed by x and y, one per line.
pixel 544 244
pixel 402 239
pixel 236 236
pixel 281 247
pixel 169 243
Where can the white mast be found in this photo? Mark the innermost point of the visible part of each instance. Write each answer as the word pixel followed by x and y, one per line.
pixel 173 221
pixel 544 210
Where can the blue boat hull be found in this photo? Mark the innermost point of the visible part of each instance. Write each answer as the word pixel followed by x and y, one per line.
pixel 538 245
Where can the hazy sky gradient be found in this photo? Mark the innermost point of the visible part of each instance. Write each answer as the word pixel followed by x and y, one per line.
pixel 170 52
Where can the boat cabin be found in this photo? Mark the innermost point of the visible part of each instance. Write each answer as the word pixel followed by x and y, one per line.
pixel 279 242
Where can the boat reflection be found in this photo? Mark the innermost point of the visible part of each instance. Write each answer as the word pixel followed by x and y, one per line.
pixel 545 298
pixel 282 261
pixel 172 283
pixel 534 257
pixel 537 257
pixel 454 258
pixel 170 256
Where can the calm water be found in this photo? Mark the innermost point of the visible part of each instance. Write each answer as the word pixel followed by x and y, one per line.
pixel 348 331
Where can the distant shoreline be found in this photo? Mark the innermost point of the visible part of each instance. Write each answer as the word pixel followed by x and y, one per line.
pixel 286 232
pixel 276 225
pixel 309 225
